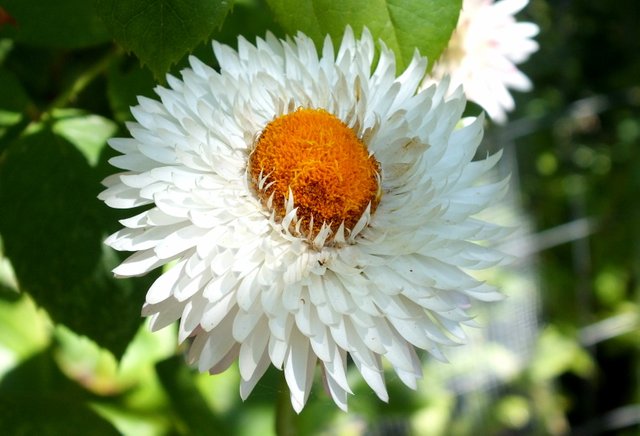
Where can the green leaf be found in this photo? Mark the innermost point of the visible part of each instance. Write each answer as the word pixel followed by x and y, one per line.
pixel 124 85
pixel 62 24
pixel 247 18
pixel 88 132
pixel 403 25
pixel 13 98
pixel 36 398
pixel 160 32
pixel 557 354
pixel 17 341
pixel 14 102
pixel 53 226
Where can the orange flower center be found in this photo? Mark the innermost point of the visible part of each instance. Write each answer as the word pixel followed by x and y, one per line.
pixel 322 162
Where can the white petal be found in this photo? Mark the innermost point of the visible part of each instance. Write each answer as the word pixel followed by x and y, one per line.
pixel 248 290
pixel 215 346
pixel 162 314
pixel 253 350
pixel 338 394
pixel 224 363
pixel 216 312
pixel 190 319
pixel 374 376
pixel 138 264
pixel 298 369
pixel 247 385
pixel 246 323
pixel 163 286
pixel 179 242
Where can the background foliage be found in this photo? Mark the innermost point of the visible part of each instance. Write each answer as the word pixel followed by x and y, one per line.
pixel 71 337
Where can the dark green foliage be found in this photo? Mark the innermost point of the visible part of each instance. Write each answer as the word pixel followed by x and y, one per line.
pixel 53 227
pixel 160 32
pixel 36 398
pixel 61 24
pixel 186 400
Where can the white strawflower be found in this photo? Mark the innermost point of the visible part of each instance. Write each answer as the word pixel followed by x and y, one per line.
pixel 313 210
pixel 483 52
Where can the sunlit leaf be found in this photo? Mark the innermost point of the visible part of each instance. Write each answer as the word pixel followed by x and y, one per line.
pixel 160 32
pixel 16 341
pixel 403 25
pixel 558 354
pixel 88 132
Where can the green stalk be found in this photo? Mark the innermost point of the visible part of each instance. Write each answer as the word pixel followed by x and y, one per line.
pixel 83 80
pixel 285 415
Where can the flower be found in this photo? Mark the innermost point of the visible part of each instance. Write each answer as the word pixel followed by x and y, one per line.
pixel 483 52
pixel 312 210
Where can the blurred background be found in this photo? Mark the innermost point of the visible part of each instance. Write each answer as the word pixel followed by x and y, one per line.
pixel 561 355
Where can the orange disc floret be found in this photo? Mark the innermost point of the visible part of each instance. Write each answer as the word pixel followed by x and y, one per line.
pixel 322 161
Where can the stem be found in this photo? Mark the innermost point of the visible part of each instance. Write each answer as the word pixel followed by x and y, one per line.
pixel 31 114
pixel 83 80
pixel 285 415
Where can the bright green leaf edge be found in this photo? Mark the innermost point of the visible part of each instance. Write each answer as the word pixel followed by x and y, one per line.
pixel 403 25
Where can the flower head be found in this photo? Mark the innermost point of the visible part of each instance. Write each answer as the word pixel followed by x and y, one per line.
pixel 314 208
pixel 483 52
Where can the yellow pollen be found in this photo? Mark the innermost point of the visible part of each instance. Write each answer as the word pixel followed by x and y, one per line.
pixel 321 160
